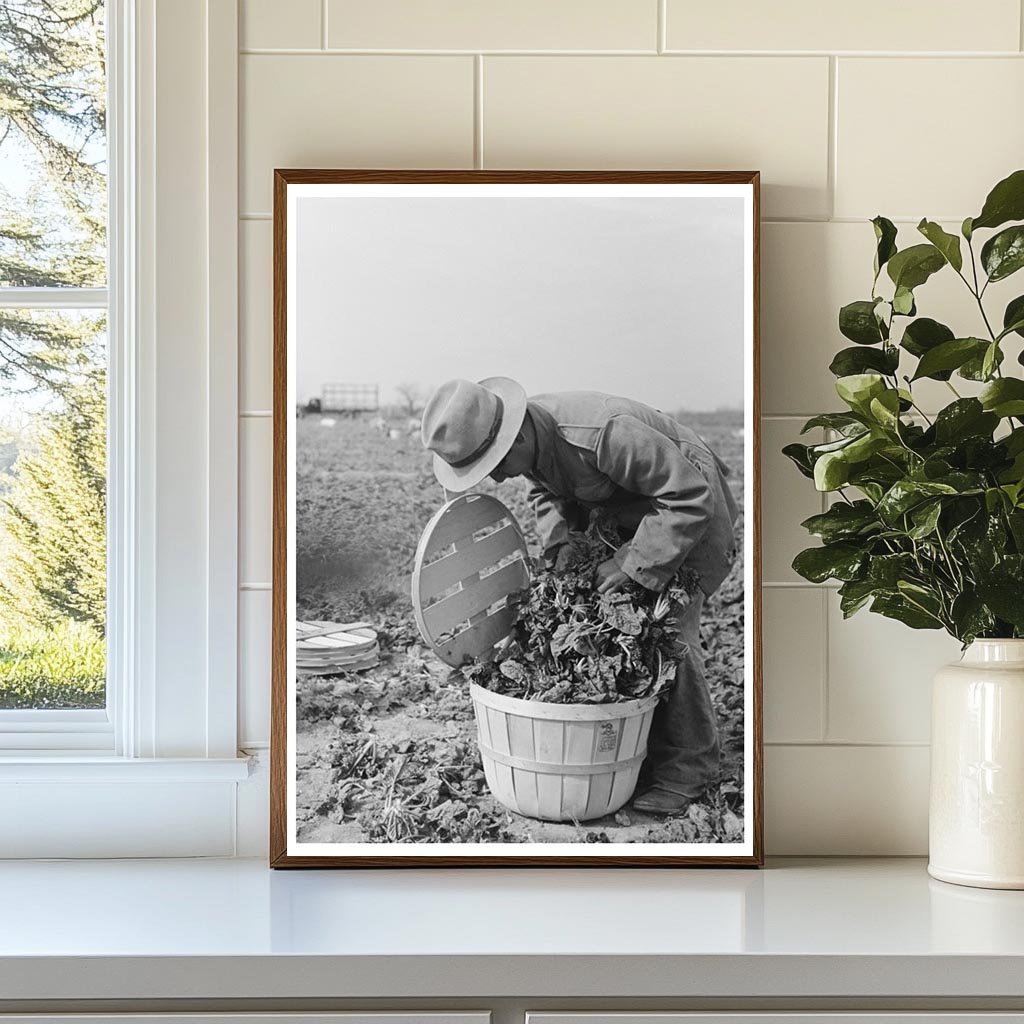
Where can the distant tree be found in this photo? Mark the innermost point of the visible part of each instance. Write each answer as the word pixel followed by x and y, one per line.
pixel 411 399
pixel 53 519
pixel 53 121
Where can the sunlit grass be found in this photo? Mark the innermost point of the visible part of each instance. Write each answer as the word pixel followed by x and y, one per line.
pixel 60 667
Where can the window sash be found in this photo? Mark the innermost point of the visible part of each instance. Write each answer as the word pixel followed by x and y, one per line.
pixel 91 730
pixel 53 298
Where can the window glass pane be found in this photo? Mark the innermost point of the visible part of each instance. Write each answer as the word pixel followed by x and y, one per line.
pixel 52 509
pixel 53 148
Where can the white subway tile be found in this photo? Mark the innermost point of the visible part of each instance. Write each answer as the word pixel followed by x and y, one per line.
pixel 880 676
pixel 793 631
pixel 351 111
pixel 869 25
pixel 270 24
pixel 497 25
pixel 846 801
pixel 787 498
pixel 694 113
pixel 255 319
pixel 254 609
pixel 926 137
pixel 808 272
pixel 255 510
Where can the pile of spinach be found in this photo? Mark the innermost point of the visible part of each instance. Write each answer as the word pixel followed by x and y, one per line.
pixel 572 645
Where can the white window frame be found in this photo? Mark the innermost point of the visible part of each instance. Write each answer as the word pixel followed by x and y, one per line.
pixel 169 734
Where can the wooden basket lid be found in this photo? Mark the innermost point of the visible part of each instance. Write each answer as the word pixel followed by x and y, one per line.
pixel 470 560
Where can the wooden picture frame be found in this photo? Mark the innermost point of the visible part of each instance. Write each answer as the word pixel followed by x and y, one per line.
pixel 285 846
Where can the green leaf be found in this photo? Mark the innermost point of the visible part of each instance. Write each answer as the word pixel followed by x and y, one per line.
pixel 866 445
pixel 1013 317
pixel 854 594
pixel 924 334
pixel 849 361
pixel 948 356
pixel 991 360
pixel 912 267
pixel 858 389
pixel 832 420
pixel 831 471
pixel 925 518
pixel 843 521
pixel 886 571
pixel 966 417
pixel 1005 202
pixel 897 607
pixel 974 368
pixel 857 321
pixel 903 302
pixel 800 456
pixel 970 617
pixel 1003 254
pixel 885 410
pixel 1004 397
pixel 840 561
pixel 906 494
pixel 1004 596
pixel 834 446
pixel 965 229
pixel 947 244
pixel 885 237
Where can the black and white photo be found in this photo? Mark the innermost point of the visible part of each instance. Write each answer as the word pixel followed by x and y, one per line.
pixel 515 560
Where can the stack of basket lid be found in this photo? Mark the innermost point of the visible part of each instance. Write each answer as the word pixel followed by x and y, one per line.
pixel 327 648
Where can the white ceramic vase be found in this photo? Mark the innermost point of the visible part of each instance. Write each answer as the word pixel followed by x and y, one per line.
pixel 976 817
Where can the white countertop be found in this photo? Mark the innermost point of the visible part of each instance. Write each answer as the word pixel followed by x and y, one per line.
pixel 234 929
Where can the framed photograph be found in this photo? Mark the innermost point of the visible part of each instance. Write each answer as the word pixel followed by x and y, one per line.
pixel 516 613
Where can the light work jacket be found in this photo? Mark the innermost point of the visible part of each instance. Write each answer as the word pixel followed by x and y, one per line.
pixel 658 477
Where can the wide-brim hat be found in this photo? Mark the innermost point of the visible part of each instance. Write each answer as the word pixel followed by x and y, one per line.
pixel 470 427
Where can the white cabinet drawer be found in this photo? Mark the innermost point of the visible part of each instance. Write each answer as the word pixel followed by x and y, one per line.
pixel 934 1017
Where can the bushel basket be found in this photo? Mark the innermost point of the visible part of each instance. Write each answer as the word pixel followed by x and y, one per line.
pixel 555 762
pixel 561 762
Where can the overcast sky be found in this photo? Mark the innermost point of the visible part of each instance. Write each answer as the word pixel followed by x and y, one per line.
pixel 636 297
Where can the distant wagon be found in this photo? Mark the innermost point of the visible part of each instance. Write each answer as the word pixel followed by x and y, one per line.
pixel 350 399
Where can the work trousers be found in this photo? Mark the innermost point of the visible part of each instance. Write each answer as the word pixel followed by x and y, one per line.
pixel 683 751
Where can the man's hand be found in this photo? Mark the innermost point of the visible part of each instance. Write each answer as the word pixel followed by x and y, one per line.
pixel 610 577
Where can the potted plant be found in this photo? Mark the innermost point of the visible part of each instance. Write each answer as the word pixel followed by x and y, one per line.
pixel 926 524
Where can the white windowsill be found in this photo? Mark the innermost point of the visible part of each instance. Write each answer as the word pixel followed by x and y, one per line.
pixel 76 766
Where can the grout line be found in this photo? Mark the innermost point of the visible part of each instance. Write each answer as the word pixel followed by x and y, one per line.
pixel 257 51
pixel 861 54
pixel 848 743
pixel 478 111
pixel 258 215
pixel 767 417
pixel 799 585
pixel 254 586
pixel 339 51
pixel 663 26
pixel 824 716
pixel 833 134
pixel 905 219
pixel 255 414
pixel 323 24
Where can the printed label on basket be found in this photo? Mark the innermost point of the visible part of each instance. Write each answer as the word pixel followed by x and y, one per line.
pixel 608 737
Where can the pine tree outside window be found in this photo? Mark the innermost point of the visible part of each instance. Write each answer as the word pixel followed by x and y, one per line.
pixel 53 370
